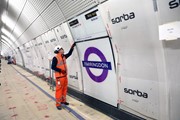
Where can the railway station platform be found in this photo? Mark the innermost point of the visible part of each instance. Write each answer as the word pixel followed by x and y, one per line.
pixel 24 96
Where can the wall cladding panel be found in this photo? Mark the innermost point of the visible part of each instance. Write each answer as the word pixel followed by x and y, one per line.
pixel 52 15
pixel 71 8
pixel 30 12
pixel 14 9
pixel 40 5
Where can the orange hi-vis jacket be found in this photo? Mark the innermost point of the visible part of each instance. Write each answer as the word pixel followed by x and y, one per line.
pixel 61 64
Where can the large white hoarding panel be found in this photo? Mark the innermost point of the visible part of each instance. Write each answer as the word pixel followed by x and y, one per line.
pixel 169 19
pixel 40 48
pixel 29 58
pixel 87 26
pixel 38 60
pixel 172 55
pixel 134 30
pixel 99 78
pixel 25 58
pixel 34 56
pixel 50 41
pixel 168 11
pixel 74 71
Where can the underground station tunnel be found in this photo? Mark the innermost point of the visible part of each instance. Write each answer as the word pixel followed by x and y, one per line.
pixel 89 59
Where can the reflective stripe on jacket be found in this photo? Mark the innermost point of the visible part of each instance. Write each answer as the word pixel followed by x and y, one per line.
pixel 61 64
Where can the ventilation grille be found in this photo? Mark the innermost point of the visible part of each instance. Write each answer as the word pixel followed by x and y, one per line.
pixel 30 12
pixel 40 5
pixel 71 8
pixel 52 15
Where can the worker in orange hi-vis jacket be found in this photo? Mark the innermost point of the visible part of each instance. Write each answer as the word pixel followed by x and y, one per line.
pixel 60 68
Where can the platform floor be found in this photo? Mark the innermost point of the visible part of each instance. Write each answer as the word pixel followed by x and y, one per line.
pixel 24 96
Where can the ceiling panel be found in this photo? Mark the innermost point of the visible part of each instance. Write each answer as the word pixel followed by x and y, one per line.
pixel 40 5
pixel 38 27
pixel 28 15
pixel 52 15
pixel 21 26
pixel 14 9
pixel 71 8
pixel 29 12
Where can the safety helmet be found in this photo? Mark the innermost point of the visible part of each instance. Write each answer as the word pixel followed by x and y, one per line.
pixel 57 48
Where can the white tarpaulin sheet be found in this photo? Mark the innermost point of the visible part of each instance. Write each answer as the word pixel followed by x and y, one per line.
pixel 87 26
pixel 134 31
pixel 169 19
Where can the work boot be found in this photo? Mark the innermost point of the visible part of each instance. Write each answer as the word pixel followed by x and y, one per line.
pixel 65 103
pixel 59 107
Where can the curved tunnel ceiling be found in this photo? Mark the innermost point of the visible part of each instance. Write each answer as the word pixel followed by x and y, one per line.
pixel 5 47
pixel 27 19
pixel 3 5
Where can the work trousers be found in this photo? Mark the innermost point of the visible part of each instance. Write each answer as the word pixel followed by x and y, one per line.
pixel 61 90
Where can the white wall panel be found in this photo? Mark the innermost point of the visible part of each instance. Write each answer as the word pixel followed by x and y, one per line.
pixel 88 25
pixel 99 78
pixel 43 51
pixel 50 41
pixel 38 60
pixel 40 49
pixel 23 56
pixel 168 11
pixel 140 64
pixel 18 58
pixel 33 56
pixel 169 19
pixel 29 59
pixel 74 71
pixel 172 56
